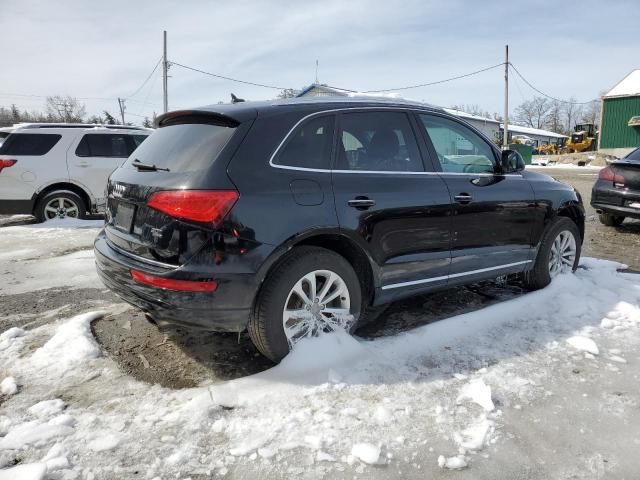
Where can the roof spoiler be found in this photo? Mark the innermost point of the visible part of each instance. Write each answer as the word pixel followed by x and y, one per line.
pixel 181 117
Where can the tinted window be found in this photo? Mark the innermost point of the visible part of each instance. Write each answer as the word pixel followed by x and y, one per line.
pixel 184 147
pixel 32 144
pixel 309 146
pixel 138 139
pixel 377 141
pixel 459 148
pixel 103 145
pixel 635 155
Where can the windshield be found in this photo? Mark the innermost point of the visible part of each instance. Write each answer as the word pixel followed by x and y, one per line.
pixel 635 155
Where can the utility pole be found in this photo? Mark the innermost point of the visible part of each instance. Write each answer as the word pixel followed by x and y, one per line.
pixel 505 136
pixel 122 109
pixel 165 69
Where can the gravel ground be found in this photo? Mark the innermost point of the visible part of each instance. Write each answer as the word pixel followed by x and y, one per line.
pixel 177 358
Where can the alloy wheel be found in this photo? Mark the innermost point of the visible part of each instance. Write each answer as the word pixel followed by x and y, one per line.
pixel 563 253
pixel 319 302
pixel 60 207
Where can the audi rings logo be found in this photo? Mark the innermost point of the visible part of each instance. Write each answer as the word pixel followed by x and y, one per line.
pixel 117 190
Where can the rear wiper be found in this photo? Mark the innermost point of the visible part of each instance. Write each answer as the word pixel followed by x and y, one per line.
pixel 146 167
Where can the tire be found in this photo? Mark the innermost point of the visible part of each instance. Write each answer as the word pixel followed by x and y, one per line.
pixel 540 275
pixel 66 202
pixel 610 220
pixel 267 323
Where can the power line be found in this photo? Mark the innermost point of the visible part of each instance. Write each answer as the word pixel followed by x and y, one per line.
pixel 229 78
pixel 544 94
pixel 437 81
pixel 146 80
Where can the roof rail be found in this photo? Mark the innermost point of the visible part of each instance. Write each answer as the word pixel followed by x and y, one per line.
pixel 77 125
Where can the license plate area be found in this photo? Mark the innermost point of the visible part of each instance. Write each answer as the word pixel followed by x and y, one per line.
pixel 123 220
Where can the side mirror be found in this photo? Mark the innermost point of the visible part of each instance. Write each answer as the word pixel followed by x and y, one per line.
pixel 511 161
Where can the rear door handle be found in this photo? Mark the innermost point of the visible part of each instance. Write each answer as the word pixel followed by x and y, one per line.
pixel 361 203
pixel 82 164
pixel 463 198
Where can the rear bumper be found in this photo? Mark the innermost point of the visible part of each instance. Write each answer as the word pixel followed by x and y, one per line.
pixel 225 310
pixel 608 199
pixel 16 207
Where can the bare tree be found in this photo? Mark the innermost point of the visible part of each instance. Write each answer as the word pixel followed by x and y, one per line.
pixel 554 117
pixel 591 111
pixel 533 113
pixel 65 109
pixel 572 112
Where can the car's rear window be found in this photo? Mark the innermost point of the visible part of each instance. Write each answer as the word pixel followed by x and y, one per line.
pixel 635 155
pixel 184 147
pixel 29 144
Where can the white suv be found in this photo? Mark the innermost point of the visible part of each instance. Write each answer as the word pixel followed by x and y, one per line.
pixel 54 170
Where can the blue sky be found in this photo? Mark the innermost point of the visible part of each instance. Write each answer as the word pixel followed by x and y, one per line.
pixel 102 50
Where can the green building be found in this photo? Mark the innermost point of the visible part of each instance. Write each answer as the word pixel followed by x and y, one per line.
pixel 620 120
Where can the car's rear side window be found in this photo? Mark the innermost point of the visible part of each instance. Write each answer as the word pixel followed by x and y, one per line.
pixel 103 145
pixel 185 147
pixel 29 144
pixel 309 145
pixel 377 141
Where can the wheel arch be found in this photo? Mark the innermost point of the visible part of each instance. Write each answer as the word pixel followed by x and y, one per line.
pixel 574 212
pixel 332 240
pixel 72 187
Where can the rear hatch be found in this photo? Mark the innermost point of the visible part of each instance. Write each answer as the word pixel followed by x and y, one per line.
pixel 164 203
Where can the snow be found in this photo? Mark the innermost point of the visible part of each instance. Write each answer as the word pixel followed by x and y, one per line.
pixel 32 471
pixel 452 463
pixel 342 404
pixel 477 391
pixel 584 344
pixel 8 386
pixel 629 85
pixel 55 253
pixel 366 452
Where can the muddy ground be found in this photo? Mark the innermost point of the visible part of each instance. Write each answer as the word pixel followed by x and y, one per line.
pixel 177 358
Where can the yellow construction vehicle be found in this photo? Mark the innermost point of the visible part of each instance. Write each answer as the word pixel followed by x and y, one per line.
pixel 583 138
pixel 549 149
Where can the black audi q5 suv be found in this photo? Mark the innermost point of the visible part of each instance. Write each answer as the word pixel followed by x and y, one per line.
pixel 295 217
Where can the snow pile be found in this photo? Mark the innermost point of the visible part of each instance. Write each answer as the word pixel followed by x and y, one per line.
pixel 336 406
pixel 8 386
pixel 55 253
pixel 583 343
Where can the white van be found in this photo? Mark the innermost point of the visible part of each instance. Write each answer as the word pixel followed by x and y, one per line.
pixel 57 170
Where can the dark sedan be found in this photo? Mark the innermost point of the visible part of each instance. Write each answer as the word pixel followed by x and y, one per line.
pixel 616 193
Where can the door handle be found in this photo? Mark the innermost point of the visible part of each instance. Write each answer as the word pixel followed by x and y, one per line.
pixel 463 198
pixel 82 164
pixel 361 203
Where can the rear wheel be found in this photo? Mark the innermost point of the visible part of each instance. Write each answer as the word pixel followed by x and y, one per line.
pixel 610 220
pixel 313 291
pixel 60 204
pixel 559 252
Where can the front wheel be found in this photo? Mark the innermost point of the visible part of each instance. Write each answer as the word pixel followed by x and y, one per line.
pixel 559 252
pixel 313 291
pixel 610 220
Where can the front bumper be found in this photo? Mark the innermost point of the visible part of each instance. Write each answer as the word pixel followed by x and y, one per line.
pixel 616 201
pixel 225 310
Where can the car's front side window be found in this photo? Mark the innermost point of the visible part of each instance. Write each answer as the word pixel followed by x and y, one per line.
pixel 459 149
pixel 377 141
pixel 309 146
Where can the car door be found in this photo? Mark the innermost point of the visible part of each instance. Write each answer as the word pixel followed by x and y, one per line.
pixel 93 159
pixel 493 214
pixel 389 204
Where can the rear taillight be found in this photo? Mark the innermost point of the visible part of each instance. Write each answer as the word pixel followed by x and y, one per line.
pixel 206 206
pixel 171 284
pixel 7 162
pixel 609 175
